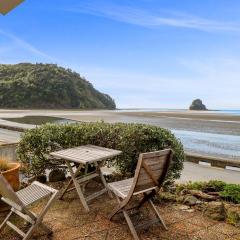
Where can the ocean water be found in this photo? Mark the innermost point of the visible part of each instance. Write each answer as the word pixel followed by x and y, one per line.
pixel 221 145
pixel 210 138
pixel 221 111
pixel 230 112
pixel 206 138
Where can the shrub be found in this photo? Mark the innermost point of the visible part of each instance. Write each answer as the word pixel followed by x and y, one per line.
pixel 190 186
pixel 211 186
pixel 132 139
pixel 214 186
pixel 231 192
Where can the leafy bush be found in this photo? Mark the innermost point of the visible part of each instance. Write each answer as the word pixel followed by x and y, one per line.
pixel 214 186
pixel 190 186
pixel 231 192
pixel 132 139
pixel 211 186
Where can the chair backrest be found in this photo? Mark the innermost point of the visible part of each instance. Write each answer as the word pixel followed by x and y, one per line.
pixel 151 170
pixel 8 193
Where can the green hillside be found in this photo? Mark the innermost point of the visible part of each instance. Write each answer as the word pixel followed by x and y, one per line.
pixel 48 86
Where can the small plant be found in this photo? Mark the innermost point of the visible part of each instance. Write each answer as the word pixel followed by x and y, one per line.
pixel 233 217
pixel 231 192
pixel 4 166
pixel 214 186
pixel 211 186
pixel 190 186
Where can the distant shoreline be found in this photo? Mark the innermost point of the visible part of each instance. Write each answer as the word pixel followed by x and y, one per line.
pixel 187 114
pixel 209 133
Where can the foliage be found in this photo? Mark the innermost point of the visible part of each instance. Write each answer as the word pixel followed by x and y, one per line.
pixel 233 217
pixel 231 192
pixel 131 139
pixel 4 166
pixel 190 186
pixel 214 186
pixel 211 186
pixel 48 86
pixel 197 105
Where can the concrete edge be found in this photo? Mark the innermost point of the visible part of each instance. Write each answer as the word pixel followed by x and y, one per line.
pixel 17 129
pixel 5 144
pixel 214 161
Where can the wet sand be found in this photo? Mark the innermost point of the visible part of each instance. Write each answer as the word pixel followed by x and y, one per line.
pixel 199 121
pixel 210 133
pixel 190 121
pixel 199 115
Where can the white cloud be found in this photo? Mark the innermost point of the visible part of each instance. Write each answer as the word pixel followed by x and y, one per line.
pixel 216 81
pixel 16 43
pixel 152 19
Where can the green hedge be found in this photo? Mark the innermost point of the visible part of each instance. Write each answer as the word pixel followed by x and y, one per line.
pixel 231 193
pixel 131 139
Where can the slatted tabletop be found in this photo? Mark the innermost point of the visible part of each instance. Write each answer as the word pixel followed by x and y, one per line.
pixel 86 154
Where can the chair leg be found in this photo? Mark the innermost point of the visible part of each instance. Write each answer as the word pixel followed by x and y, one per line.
pixel 34 226
pixel 130 225
pixel 45 228
pixel 40 218
pixel 114 212
pixel 145 199
pixel 158 214
pixel 5 220
pixel 30 232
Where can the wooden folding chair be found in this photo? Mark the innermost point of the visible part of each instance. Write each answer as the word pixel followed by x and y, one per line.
pixel 149 176
pixel 21 201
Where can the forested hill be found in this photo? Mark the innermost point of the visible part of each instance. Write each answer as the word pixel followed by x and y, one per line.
pixel 48 86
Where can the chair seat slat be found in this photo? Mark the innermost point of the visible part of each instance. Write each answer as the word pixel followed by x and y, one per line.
pixel 32 193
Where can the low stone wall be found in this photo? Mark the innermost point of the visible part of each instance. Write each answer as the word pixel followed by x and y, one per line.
pixel 13 128
pixel 214 161
pixel 8 152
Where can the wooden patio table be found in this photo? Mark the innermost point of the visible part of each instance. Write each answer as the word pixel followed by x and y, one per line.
pixel 84 156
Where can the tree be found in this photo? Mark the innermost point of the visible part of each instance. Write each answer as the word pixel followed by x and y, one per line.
pixel 48 86
pixel 197 105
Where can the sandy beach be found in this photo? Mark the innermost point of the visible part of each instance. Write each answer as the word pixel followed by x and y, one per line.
pixel 191 120
pixel 209 133
pixel 200 121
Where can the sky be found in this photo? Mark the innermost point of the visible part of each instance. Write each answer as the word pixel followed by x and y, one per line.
pixel 144 53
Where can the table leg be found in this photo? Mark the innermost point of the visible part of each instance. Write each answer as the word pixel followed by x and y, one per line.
pixel 85 172
pixel 77 186
pixel 69 183
pixel 104 182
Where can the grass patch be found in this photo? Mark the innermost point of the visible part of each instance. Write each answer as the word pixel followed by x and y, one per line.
pixel 228 192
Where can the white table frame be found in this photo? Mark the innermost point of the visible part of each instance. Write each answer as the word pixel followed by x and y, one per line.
pixel 85 155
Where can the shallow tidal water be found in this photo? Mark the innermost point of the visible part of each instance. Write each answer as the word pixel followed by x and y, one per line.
pixel 203 137
pixel 221 145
